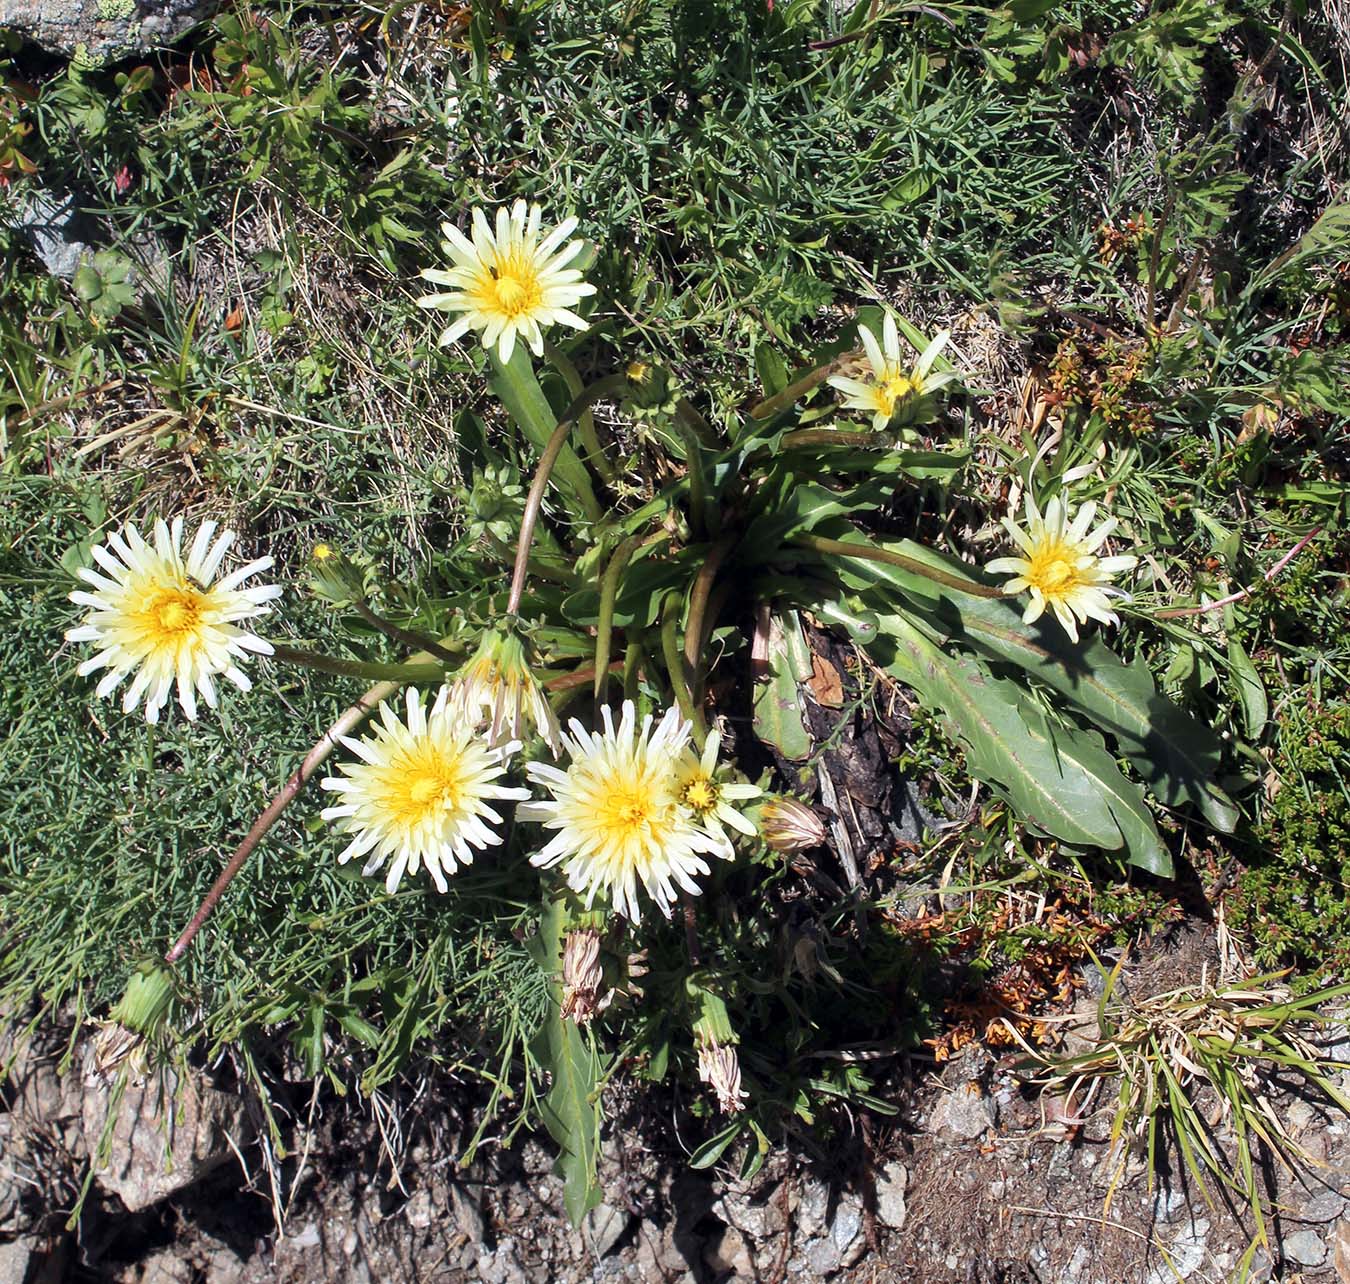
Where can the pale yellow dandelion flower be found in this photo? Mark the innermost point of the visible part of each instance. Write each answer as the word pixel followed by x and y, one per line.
pixel 422 792
pixel 893 384
pixel 166 619
pixel 709 799
pixel 511 283
pixel 617 814
pixel 1061 568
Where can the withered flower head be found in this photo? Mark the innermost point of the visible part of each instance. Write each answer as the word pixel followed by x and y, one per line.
pixel 582 977
pixel 720 1068
pixel 790 826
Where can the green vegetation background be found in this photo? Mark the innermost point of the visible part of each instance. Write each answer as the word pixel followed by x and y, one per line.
pixel 244 345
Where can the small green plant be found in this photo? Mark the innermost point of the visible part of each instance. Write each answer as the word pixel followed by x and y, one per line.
pixel 1240 1043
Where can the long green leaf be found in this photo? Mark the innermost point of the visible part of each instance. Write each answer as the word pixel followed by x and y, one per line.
pixel 1059 780
pixel 516 386
pixel 1176 756
pixel 569 1110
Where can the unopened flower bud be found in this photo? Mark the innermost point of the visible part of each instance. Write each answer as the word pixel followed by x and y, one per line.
pixel 790 826
pixel 582 976
pixel 720 1068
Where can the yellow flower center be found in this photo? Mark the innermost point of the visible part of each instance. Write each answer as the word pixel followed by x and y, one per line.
pixel 701 794
pixel 627 813
pixel 893 388
pixel 1053 569
pixel 173 615
pixel 426 787
pixel 515 290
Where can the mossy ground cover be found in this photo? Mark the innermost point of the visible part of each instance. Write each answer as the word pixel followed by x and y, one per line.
pixel 1129 221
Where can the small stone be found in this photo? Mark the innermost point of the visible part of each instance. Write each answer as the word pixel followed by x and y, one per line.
pixel 1299 1115
pixel 1340 1251
pixel 757 1218
pixel 168 1134
pixel 224 1267
pixel 1082 1255
pixel 94 34
pixel 467 1216
pixel 967 1112
pixel 1185 1254
pixel 502 1266
pixel 418 1210
pixel 1325 1206
pixel 814 1208
pixel 1305 1247
pixel 605 1226
pixel 165 1267
pixel 847 1225
pixel 891 1186
pixel 823 1257
pixel 14 1258
pixel 729 1254
pixel 307 1237
pixel 1168 1205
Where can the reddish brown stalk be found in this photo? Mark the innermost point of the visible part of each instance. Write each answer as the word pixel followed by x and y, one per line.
pixel 312 761
pixel 1176 612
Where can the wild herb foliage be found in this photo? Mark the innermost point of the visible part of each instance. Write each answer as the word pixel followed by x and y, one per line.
pixel 1137 215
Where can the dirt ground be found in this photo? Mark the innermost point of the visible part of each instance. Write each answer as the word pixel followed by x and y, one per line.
pixel 976 1181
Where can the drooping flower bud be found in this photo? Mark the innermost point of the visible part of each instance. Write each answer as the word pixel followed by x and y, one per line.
pixel 498 686
pixel 790 826
pixel 138 1017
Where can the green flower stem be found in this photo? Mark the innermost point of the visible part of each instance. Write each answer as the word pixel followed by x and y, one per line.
pixel 609 590
pixel 347 722
pixel 606 387
pixel 870 554
pixel 594 452
pixel 632 669
pixel 399 634
pixel 675 666
pixel 702 518
pixel 688 416
pixel 770 406
pixel 700 623
pixel 411 672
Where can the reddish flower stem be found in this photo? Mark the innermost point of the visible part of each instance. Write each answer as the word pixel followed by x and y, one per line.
pixel 1176 612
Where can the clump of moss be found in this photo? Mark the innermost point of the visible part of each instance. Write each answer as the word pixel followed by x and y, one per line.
pixel 1292 901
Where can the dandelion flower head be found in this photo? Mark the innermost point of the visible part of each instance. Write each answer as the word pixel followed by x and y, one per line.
pixel 165 618
pixel 617 815
pixel 421 792
pixel 1060 565
pixel 509 283
pixel 498 686
pixel 893 383
pixel 709 799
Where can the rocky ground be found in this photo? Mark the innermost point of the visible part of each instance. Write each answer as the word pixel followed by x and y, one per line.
pixel 977 1181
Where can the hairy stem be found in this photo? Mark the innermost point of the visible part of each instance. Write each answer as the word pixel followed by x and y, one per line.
pixel 399 634
pixel 347 722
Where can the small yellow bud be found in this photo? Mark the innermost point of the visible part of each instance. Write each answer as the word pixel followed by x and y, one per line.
pixel 322 552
